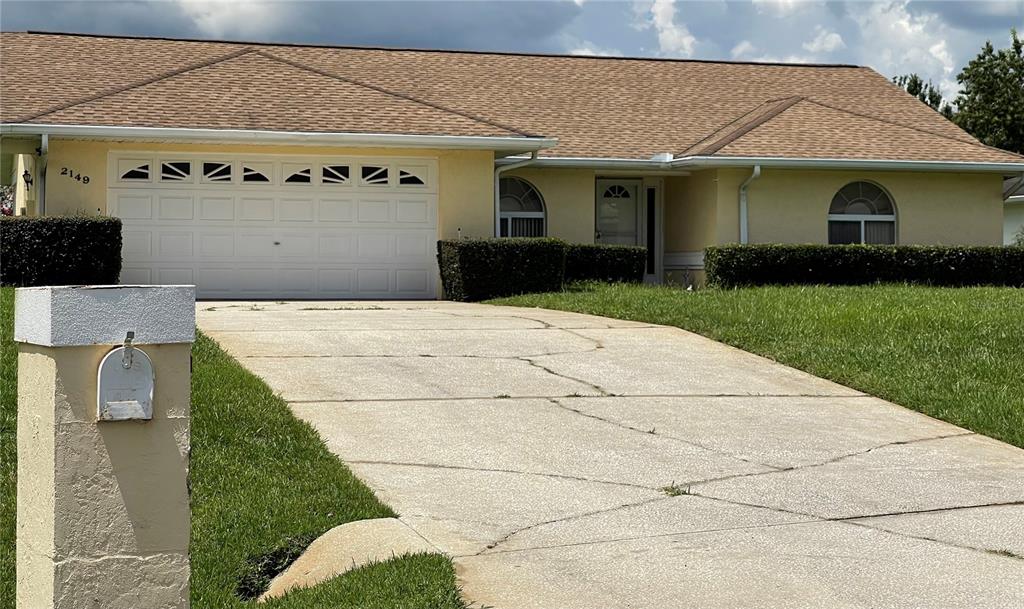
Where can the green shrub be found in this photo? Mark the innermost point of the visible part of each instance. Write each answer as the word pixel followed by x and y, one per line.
pixel 478 269
pixel 611 263
pixel 60 250
pixel 747 265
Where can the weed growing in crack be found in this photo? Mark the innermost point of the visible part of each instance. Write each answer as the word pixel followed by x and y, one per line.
pixel 675 490
pixel 1006 553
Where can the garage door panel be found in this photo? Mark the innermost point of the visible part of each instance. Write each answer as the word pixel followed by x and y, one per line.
pixel 174 276
pixel 413 245
pixel 336 246
pixel 254 245
pixel 373 210
pixel 216 208
pixel 295 210
pixel 336 210
pixel 135 206
pixel 174 245
pixel 136 275
pixel 136 244
pixel 175 207
pixel 350 238
pixel 256 209
pixel 373 246
pixel 335 283
pixel 216 245
pixel 412 281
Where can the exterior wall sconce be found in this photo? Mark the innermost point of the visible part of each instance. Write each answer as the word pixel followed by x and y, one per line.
pixel 27 178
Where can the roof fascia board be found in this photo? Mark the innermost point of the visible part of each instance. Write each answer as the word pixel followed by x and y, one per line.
pixel 305 138
pixel 838 163
pixel 700 162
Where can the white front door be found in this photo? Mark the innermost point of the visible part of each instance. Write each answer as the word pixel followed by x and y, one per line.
pixel 627 212
pixel 278 226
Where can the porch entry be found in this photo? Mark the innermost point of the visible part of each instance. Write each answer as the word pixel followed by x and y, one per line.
pixel 628 212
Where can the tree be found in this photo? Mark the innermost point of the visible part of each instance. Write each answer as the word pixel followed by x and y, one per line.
pixel 924 91
pixel 990 105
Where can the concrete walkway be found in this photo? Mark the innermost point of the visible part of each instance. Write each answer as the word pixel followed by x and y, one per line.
pixel 535 447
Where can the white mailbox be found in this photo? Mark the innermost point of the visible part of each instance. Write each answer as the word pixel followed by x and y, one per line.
pixel 125 384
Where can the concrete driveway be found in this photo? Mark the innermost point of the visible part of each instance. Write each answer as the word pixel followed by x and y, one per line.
pixel 566 460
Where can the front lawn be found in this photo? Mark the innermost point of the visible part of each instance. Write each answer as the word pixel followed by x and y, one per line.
pixel 956 354
pixel 261 479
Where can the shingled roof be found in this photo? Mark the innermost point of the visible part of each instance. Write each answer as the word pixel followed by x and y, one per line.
pixel 596 107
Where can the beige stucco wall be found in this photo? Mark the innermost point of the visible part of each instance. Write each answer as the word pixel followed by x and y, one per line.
pixel 568 198
pixel 465 186
pixel 103 508
pixel 25 198
pixel 791 206
pixel 691 214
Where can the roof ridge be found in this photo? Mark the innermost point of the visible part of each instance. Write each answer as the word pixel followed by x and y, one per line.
pixel 436 50
pixel 358 83
pixel 771 108
pixel 971 142
pixel 141 83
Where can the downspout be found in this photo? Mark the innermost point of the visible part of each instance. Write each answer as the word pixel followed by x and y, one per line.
pixel 44 149
pixel 497 192
pixel 743 202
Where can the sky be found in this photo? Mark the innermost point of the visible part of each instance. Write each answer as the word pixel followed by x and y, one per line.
pixel 933 39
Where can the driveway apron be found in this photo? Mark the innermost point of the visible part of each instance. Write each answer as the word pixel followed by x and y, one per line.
pixel 567 460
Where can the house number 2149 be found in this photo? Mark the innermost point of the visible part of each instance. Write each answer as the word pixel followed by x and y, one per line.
pixel 74 175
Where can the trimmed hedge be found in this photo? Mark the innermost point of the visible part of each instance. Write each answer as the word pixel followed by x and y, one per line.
pixel 478 269
pixel 613 263
pixel 750 265
pixel 60 250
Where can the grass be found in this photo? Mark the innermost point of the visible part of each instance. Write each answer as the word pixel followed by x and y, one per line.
pixel 8 445
pixel 261 479
pixel 951 353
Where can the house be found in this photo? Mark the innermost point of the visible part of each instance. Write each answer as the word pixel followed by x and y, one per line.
pixel 273 170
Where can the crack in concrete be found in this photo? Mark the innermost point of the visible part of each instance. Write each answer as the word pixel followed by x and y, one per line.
pixel 853 520
pixel 828 461
pixel 548 397
pixel 601 390
pixel 501 471
pixel 420 355
pixel 654 432
pixel 639 537
pixel 512 534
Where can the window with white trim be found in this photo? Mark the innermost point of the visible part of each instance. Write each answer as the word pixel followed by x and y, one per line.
pixel 522 209
pixel 861 212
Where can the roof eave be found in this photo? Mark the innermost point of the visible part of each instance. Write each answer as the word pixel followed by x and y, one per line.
pixel 842 163
pixel 503 145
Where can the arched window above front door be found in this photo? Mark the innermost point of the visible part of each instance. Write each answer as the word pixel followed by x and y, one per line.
pixel 522 209
pixel 862 212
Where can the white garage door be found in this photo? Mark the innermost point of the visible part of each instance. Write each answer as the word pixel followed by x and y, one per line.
pixel 278 227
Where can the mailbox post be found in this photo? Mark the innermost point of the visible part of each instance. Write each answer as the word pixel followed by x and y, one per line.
pixel 103 446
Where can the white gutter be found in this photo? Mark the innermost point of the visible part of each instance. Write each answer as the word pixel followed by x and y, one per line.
pixel 779 162
pixel 504 144
pixel 839 163
pixel 743 202
pixel 497 190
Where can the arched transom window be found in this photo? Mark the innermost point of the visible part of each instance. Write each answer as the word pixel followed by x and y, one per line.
pixel 522 209
pixel 861 212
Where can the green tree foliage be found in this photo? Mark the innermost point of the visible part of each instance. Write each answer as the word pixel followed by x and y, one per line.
pixel 924 91
pixel 990 105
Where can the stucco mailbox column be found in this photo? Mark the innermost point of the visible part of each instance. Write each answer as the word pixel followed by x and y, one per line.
pixel 103 506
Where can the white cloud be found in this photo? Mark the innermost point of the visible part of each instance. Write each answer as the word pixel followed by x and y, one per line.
pixel 825 42
pixel 894 41
pixel 743 49
pixel 674 39
pixel 226 17
pixel 778 7
pixel 585 47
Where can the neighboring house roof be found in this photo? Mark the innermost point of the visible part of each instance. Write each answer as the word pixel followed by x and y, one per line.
pixel 596 107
